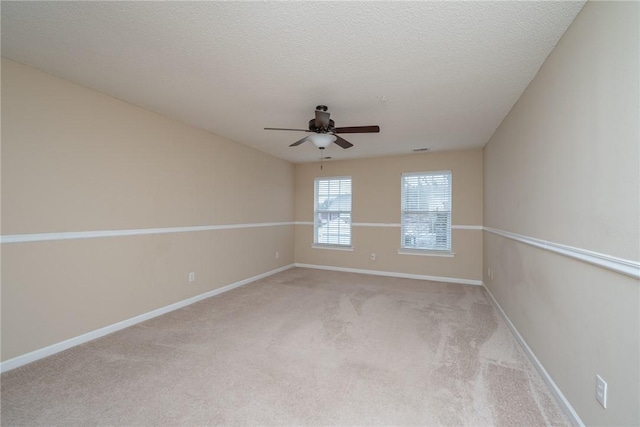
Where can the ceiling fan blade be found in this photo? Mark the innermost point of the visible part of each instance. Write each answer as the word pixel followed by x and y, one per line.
pixel 300 130
pixel 299 142
pixel 358 129
pixel 322 119
pixel 342 142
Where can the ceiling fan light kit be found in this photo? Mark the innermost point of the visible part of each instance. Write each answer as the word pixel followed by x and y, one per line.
pixel 322 140
pixel 324 131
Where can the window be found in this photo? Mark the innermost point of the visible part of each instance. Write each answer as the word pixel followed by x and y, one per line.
pixel 426 211
pixel 332 211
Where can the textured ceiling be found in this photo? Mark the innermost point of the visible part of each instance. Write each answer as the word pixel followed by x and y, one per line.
pixel 440 75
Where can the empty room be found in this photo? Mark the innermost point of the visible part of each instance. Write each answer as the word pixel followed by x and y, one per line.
pixel 320 213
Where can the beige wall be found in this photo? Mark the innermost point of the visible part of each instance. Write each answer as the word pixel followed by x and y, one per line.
pixel 564 167
pixel 376 199
pixel 76 160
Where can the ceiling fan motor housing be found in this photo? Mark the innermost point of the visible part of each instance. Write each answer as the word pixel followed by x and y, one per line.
pixel 313 128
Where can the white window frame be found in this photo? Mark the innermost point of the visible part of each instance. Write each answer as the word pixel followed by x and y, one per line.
pixel 344 240
pixel 410 237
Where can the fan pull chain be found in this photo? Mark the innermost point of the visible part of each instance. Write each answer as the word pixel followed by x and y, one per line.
pixel 321 157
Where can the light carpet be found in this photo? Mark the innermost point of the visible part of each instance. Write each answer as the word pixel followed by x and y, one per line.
pixel 302 347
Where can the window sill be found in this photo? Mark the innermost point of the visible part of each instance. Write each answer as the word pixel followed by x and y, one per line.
pixel 421 252
pixel 333 247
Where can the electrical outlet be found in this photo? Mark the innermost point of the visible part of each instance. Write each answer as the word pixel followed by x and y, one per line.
pixel 277 254
pixel 601 391
pixel 373 256
pixel 489 272
pixel 192 276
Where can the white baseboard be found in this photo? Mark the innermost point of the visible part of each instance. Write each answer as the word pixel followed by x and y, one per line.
pixel 392 274
pixel 573 416
pixel 90 336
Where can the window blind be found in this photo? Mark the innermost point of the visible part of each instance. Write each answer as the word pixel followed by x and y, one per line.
pixel 426 211
pixel 332 211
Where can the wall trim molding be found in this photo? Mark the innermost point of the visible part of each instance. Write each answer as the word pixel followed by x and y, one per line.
pixel 618 265
pixel 467 227
pixel 398 225
pixel 71 235
pixel 374 224
pixel 566 407
pixel 392 274
pixel 98 333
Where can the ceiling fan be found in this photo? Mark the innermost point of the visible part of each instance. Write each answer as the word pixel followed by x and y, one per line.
pixel 324 131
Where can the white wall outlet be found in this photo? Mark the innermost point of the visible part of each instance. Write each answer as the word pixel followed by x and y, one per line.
pixel 373 256
pixel 192 276
pixel 489 272
pixel 277 254
pixel 601 391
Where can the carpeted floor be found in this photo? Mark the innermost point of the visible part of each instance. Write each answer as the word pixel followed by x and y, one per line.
pixel 302 347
